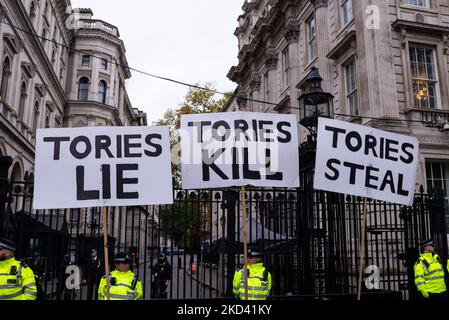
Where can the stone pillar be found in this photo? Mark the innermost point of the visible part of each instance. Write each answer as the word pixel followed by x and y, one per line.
pixel 292 37
pixel 271 64
pixel 73 79
pixel 378 87
pixel 323 42
pixel 93 94
pixel 111 93
pixel 255 90
pixel 91 121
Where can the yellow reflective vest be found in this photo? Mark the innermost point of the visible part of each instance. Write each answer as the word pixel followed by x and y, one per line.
pixel 259 283
pixel 16 281
pixel 124 286
pixel 429 274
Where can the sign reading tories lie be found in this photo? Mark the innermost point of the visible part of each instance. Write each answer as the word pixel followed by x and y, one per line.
pixel 102 166
pixel 239 148
pixel 367 162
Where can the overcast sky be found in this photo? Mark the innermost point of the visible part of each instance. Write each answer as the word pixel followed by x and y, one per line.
pixel 189 40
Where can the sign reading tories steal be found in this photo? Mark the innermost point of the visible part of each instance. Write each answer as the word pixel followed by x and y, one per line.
pixel 367 162
pixel 102 166
pixel 239 148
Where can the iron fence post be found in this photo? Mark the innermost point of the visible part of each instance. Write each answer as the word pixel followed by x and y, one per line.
pixel 5 164
pixel 230 199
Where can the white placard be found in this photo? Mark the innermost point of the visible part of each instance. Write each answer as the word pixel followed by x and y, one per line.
pixel 367 162
pixel 239 148
pixel 102 166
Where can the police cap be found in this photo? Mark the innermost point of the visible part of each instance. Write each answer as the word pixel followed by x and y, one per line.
pixel 7 244
pixel 255 254
pixel 426 243
pixel 122 257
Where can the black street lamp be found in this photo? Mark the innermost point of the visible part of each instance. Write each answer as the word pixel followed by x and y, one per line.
pixel 315 102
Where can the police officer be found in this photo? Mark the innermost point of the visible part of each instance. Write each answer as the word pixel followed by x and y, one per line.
pixel 38 267
pixel 94 273
pixel 429 273
pixel 124 283
pixel 162 275
pixel 16 278
pixel 259 279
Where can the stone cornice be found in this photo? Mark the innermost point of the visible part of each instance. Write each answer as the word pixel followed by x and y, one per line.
pixel 319 3
pixel 71 105
pixel 348 40
pixel 421 27
pixel 292 35
pixel 255 81
pixel 18 136
pixel 241 100
pixel 272 59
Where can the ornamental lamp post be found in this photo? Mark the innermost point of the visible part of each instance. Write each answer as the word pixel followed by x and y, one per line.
pixel 315 103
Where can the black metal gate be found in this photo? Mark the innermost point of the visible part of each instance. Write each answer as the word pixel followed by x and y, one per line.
pixel 310 238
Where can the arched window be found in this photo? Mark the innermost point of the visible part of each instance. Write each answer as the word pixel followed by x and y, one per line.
pixel 102 92
pixel 36 118
pixel 47 121
pixel 32 12
pixel 16 173
pixel 23 99
pixel 6 75
pixel 83 89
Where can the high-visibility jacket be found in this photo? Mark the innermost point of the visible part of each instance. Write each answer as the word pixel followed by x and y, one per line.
pixel 259 282
pixel 429 274
pixel 16 281
pixel 124 286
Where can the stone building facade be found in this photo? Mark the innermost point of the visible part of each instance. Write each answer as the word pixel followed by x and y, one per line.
pixel 70 73
pixel 46 85
pixel 384 60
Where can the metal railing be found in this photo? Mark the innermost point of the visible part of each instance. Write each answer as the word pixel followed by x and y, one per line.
pixel 310 239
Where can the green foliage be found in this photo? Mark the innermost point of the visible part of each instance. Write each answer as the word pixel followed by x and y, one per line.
pixel 196 101
pixel 179 221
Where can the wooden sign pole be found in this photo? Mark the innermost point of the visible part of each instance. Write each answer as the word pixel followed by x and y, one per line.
pixel 245 241
pixel 362 250
pixel 106 251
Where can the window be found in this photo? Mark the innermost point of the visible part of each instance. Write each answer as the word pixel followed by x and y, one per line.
pixel 32 12
pixel 86 61
pixel 44 35
pixel 437 174
pixel 47 121
pixel 424 77
pixel 23 99
pixel 104 64
pixel 36 118
pixel 266 87
pixel 102 92
pixel 418 3
pixel 311 36
pixel 83 89
pixel 346 12
pixel 6 75
pixel 351 88
pixel 285 68
pixel 251 102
